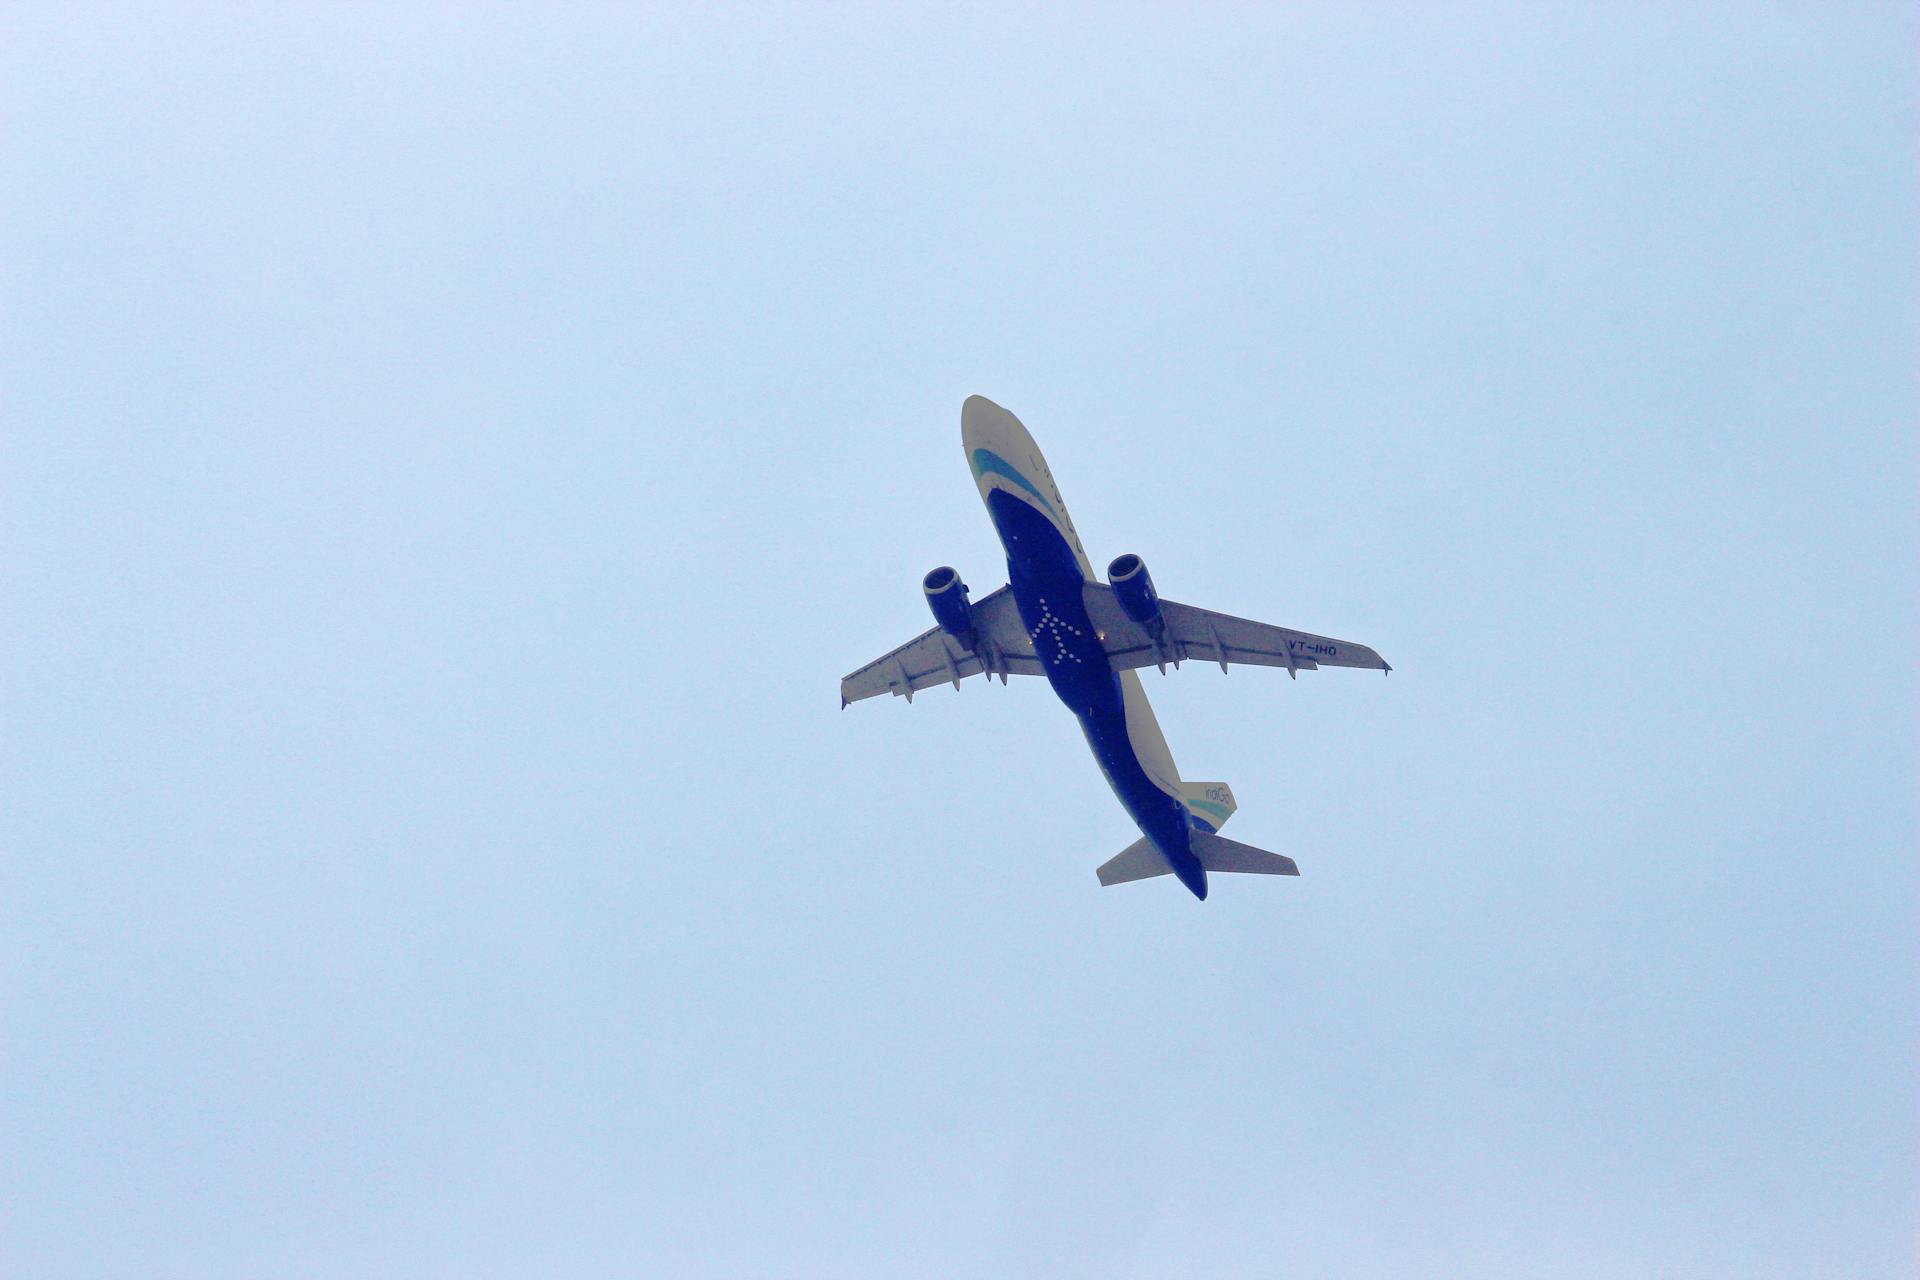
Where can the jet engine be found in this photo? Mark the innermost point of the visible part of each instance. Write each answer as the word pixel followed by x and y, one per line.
pixel 947 597
pixel 1133 589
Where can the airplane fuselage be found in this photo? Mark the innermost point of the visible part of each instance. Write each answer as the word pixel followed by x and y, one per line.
pixel 1048 572
pixel 1048 584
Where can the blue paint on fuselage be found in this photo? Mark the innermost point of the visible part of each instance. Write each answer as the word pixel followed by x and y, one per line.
pixel 1048 585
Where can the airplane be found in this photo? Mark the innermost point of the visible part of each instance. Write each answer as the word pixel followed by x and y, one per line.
pixel 1089 638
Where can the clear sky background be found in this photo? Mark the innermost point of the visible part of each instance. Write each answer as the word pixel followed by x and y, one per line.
pixel 452 454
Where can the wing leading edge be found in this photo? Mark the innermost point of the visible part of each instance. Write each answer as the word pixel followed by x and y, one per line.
pixel 934 657
pixel 1216 637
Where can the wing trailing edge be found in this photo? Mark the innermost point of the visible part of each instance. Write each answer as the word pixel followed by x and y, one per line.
pixel 1001 648
pixel 1216 637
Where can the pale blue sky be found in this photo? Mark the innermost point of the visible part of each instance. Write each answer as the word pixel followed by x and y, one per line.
pixel 450 457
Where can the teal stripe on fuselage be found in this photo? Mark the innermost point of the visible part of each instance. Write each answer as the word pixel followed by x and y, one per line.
pixel 985 460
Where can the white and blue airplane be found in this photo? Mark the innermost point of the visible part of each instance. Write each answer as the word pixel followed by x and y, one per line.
pixel 1054 618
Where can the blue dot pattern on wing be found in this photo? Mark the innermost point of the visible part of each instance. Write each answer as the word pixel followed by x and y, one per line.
pixel 985 460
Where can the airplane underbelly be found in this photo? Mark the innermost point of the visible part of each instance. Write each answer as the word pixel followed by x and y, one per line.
pixel 1049 588
pixel 1069 649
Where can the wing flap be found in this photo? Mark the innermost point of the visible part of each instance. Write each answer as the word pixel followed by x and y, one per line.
pixel 934 657
pixel 1216 637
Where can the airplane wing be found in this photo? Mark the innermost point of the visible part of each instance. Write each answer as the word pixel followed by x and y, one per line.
pixel 1217 637
pixel 934 657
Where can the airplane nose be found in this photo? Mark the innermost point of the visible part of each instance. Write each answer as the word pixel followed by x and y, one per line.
pixel 977 416
pixel 974 406
pixel 985 424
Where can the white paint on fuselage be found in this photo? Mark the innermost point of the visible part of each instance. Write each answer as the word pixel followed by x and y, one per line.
pixel 985 425
pixel 1143 731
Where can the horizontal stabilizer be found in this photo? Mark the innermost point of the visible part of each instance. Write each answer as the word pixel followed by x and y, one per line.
pixel 1217 853
pixel 1138 861
pixel 1141 861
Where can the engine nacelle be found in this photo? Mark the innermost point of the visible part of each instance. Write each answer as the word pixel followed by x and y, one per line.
pixel 947 597
pixel 1133 589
